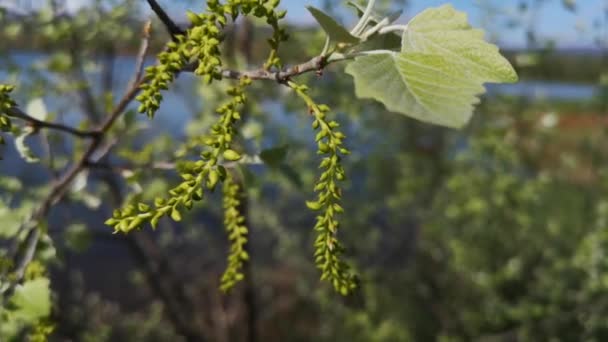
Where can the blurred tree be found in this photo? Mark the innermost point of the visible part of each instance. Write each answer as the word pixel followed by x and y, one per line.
pixel 494 233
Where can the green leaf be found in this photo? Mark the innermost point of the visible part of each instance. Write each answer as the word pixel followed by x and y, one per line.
pixel 274 156
pixel 445 31
pixel 439 73
pixel 335 31
pixel 32 300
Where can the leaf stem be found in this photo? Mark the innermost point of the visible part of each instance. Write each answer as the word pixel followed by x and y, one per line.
pixel 375 29
pixel 393 28
pixel 364 18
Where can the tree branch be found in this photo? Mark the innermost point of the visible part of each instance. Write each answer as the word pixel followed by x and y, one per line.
pixel 37 124
pixel 61 186
pixel 315 64
pixel 170 25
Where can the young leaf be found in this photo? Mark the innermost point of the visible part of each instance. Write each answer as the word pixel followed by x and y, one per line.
pixel 439 73
pixel 335 31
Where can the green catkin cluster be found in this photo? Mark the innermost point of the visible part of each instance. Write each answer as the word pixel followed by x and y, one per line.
pixel 201 45
pixel 205 173
pixel 328 249
pixel 6 103
pixel 237 235
pixel 158 77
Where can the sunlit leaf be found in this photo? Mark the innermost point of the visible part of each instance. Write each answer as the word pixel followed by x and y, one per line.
pixel 439 73
pixel 444 31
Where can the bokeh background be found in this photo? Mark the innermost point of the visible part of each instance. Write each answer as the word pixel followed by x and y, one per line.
pixel 497 232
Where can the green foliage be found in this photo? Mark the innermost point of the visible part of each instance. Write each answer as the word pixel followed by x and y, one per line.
pixel 32 300
pixel 28 306
pixel 237 234
pixel 435 69
pixel 497 232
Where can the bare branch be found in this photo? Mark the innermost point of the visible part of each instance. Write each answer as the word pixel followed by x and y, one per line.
pixel 171 26
pixel 160 166
pixel 37 124
pixel 316 64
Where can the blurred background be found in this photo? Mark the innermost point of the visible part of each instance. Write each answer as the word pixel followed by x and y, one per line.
pixel 497 232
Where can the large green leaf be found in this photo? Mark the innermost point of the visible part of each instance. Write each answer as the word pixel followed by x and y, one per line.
pixel 429 88
pixel 445 31
pixel 439 73
pixel 335 31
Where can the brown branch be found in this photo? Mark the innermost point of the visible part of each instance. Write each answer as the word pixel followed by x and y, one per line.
pixel 170 25
pixel 37 124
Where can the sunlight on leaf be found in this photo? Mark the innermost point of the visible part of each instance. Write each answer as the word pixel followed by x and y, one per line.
pixel 439 72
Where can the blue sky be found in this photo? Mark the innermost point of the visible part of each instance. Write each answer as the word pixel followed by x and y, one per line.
pixel 566 28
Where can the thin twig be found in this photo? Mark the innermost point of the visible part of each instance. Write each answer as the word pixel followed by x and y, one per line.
pixel 314 64
pixel 28 254
pixel 37 124
pixel 171 26
pixel 160 166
